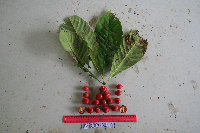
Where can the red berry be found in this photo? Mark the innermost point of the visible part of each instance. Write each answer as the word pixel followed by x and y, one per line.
pixel 85 88
pixel 106 94
pixel 109 101
pixel 90 110
pixel 114 107
pixel 97 110
pixel 103 102
pixel 105 109
pixel 119 86
pixel 118 92
pixel 103 89
pixel 117 100
pixel 85 101
pixel 95 102
pixel 85 94
pixel 99 96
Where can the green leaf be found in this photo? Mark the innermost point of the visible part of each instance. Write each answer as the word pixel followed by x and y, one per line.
pixel 109 33
pixel 131 51
pixel 79 40
pixel 86 33
pixel 74 44
pixel 101 47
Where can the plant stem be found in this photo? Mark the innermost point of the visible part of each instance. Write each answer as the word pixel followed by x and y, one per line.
pixel 91 74
pixel 108 80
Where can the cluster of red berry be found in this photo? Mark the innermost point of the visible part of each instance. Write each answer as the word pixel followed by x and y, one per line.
pixel 103 99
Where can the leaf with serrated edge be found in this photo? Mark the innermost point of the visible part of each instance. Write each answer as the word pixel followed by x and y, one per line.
pixel 86 33
pixel 109 33
pixel 65 36
pixel 72 43
pixel 131 51
pixel 79 40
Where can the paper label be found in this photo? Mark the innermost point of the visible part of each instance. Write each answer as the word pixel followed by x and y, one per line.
pixel 98 124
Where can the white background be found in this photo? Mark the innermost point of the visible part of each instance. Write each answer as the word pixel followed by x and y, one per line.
pixel 40 82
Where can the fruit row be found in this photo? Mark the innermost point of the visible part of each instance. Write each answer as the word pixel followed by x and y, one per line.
pixel 105 109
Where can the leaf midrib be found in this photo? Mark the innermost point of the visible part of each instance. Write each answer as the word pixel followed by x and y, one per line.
pixel 121 63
